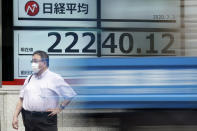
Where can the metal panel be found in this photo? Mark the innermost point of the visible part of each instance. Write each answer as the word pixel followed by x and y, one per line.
pixel 190 22
pixel 0 45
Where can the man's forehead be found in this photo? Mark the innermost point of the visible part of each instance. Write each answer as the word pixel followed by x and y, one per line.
pixel 36 57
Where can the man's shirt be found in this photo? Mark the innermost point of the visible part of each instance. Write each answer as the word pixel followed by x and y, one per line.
pixel 45 92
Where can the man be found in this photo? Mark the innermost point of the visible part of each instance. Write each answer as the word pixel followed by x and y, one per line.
pixel 43 95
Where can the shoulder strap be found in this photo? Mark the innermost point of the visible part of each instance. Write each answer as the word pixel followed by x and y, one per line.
pixel 30 78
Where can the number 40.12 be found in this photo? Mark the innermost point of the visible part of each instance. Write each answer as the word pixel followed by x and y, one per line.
pixel 112 45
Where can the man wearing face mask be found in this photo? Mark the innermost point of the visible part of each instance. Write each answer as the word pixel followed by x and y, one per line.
pixel 43 95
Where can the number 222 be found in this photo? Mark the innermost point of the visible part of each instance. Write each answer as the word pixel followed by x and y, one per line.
pixel 75 40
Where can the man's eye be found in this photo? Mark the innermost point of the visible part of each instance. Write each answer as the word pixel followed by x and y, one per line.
pixel 34 61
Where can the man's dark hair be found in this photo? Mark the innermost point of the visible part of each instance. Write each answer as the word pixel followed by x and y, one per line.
pixel 44 56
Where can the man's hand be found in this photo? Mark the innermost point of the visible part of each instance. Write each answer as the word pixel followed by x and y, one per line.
pixel 16 113
pixel 54 111
pixel 15 123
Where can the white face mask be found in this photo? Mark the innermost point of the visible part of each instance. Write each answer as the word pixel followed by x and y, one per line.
pixel 35 67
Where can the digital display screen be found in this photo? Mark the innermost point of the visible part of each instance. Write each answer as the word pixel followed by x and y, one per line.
pixel 94 28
